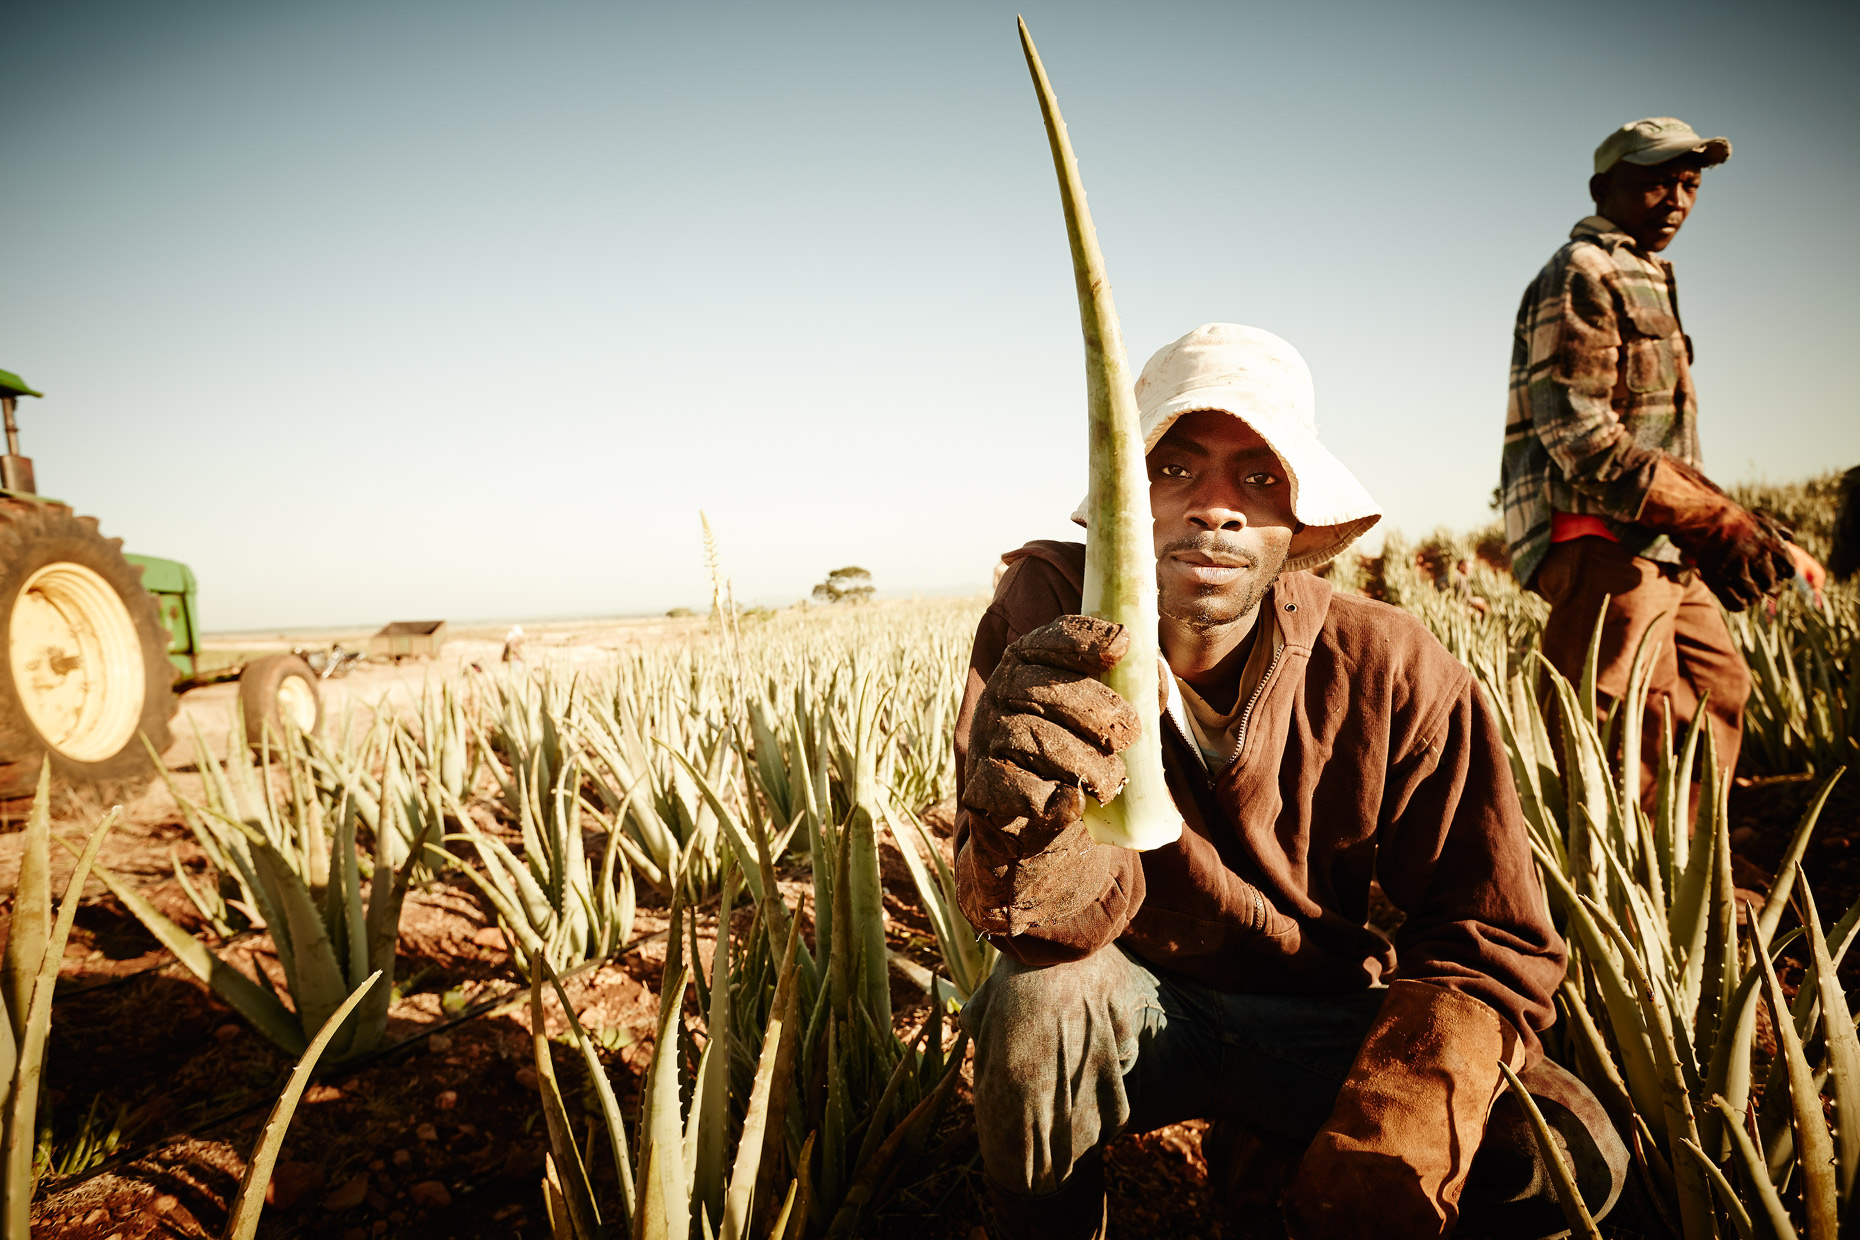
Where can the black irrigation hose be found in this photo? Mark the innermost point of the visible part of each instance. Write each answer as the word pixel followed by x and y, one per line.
pixel 338 1071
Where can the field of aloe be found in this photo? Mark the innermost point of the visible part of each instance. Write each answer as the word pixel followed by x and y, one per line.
pixel 465 916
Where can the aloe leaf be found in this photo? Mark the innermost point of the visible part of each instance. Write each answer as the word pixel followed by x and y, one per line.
pixel 572 1173
pixel 604 1094
pixel 1774 1215
pixel 242 1221
pixel 267 1014
pixel 1727 1195
pixel 1625 1017
pixel 1778 900
pixel 1843 1046
pixel 1814 1147
pixel 712 1118
pixel 1695 1207
pixel 739 1200
pixel 1120 554
pixel 22 1100
pixel 32 910
pixel 664 1201
pixel 318 984
pixel 1568 1195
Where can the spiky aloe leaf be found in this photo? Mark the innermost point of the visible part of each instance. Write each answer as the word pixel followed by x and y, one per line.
pixel 32 911
pixel 1120 552
pixel 1568 1195
pixel 269 1016
pixel 1843 1046
pixel 1694 1194
pixel 1727 1196
pixel 242 1222
pixel 1774 1216
pixel 577 1193
pixel 22 1102
pixel 1814 1147
pixel 1778 900
pixel 664 1197
pixel 739 1200
pixel 604 1094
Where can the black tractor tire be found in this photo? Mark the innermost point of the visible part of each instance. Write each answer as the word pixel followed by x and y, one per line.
pixel 263 684
pixel 80 576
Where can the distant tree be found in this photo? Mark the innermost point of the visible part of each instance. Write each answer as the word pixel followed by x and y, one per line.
pixel 680 613
pixel 845 585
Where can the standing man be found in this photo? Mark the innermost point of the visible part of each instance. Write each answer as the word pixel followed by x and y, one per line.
pixel 1601 478
pixel 1314 742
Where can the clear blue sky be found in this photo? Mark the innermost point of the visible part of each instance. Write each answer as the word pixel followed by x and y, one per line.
pixel 384 310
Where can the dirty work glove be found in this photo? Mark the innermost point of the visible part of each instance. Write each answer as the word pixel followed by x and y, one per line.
pixel 1392 1158
pixel 1742 556
pixel 1046 735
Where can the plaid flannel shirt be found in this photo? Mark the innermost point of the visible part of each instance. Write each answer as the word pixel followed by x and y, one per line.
pixel 1601 384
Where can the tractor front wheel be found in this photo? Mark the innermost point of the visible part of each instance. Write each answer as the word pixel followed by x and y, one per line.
pixel 86 672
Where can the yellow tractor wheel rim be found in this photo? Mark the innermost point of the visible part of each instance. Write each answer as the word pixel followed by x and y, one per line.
pixel 77 662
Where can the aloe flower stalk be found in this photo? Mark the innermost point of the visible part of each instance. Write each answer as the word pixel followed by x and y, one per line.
pixel 1120 555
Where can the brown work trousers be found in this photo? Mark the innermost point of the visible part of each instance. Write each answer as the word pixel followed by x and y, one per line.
pixel 1691 650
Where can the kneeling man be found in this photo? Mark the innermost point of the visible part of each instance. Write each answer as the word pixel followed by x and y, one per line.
pixel 1316 743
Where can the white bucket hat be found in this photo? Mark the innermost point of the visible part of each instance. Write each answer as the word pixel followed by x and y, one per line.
pixel 1260 379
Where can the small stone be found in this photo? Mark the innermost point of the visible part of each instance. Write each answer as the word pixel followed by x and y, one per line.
pixel 349 1194
pixel 1743 836
pixel 379 1228
pixel 431 1194
pixel 99 1215
pixel 322 1093
pixel 226 1033
pixel 403 1158
pixel 375 1164
pixel 447 1100
pixel 440 1043
pixel 399 1216
pixel 291 1182
pixel 164 1202
pixel 490 936
pixel 426 1132
pixel 527 1078
pixel 453 1061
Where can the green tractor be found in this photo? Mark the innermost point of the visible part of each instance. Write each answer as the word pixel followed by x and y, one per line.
pixel 99 644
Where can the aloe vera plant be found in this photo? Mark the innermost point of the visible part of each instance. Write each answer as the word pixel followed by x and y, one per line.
pixel 35 947
pixel 307 890
pixel 1120 554
pixel 1660 1003
pixel 552 899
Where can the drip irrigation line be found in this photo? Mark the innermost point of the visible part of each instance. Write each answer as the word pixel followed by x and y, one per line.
pixel 347 1067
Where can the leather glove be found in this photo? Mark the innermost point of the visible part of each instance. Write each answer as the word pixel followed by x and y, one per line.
pixel 1742 556
pixel 1046 735
pixel 1392 1158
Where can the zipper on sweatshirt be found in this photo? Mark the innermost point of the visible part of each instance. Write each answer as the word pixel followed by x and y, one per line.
pixel 1259 691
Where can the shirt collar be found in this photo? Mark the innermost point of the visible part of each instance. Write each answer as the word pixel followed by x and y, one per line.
pixel 1603 231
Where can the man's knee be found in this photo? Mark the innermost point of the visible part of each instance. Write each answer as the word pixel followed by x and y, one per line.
pixel 1032 1020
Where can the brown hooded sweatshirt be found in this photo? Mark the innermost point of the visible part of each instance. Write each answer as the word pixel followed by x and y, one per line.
pixel 1369 753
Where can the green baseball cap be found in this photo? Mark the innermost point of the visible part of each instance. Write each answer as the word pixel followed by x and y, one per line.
pixel 1656 139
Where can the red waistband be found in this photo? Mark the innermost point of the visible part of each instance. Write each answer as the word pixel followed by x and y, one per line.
pixel 1565 526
